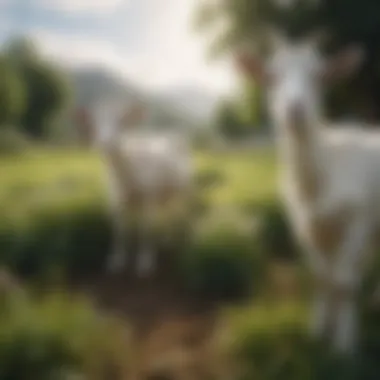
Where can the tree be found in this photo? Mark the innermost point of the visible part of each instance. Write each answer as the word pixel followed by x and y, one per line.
pixel 21 48
pixel 48 96
pixel 346 20
pixel 47 89
pixel 228 121
pixel 12 94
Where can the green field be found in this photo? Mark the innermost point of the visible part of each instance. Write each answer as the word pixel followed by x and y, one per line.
pixel 248 177
pixel 53 224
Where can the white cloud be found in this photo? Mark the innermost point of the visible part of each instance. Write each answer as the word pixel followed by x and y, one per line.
pixel 171 56
pixel 176 53
pixel 74 51
pixel 82 6
pixel 77 51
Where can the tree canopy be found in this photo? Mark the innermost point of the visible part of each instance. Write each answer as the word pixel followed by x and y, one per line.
pixel 229 122
pixel 47 94
pixel 12 93
pixel 347 21
pixel 38 90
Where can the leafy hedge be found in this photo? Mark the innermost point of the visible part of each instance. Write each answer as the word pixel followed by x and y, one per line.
pixel 74 241
pixel 57 337
pixel 222 261
pixel 271 342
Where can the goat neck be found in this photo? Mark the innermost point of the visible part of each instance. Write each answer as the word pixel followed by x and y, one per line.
pixel 303 157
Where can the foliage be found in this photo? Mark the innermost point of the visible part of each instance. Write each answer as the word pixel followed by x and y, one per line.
pixel 222 262
pixel 55 221
pixel 347 21
pixel 12 94
pixel 74 242
pixel 240 117
pixel 57 218
pixel 21 48
pixel 54 338
pixel 47 89
pixel 228 121
pixel 276 238
pixel 48 220
pixel 270 341
pixel 47 97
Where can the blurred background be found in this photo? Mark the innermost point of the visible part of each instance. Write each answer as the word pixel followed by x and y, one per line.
pixel 230 301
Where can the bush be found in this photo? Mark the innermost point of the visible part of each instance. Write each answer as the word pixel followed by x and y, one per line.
pixel 74 242
pixel 55 338
pixel 276 238
pixel 271 342
pixel 222 261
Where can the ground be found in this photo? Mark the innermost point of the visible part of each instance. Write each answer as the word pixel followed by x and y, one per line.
pixel 172 332
pixel 52 212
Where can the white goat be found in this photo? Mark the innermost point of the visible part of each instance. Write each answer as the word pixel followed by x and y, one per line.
pixel 330 178
pixel 143 169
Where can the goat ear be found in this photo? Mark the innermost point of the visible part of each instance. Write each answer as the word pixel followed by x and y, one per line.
pixel 132 116
pixel 84 124
pixel 253 67
pixel 344 64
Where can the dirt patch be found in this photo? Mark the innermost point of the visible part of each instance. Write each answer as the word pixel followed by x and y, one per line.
pixel 173 334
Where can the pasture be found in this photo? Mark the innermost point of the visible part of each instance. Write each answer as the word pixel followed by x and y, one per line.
pixel 230 303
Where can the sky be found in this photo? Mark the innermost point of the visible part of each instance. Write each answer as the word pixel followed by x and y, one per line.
pixel 151 42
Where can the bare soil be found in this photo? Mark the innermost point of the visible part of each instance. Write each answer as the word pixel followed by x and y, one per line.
pixel 172 333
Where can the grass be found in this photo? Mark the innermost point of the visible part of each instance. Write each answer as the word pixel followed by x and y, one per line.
pixel 249 177
pixel 53 205
pixel 56 337
pixel 53 217
pixel 65 178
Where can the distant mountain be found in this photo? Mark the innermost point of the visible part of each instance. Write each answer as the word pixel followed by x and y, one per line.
pixel 98 83
pixel 193 100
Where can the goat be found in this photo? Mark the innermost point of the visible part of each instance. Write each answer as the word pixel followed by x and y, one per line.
pixel 330 177
pixel 143 169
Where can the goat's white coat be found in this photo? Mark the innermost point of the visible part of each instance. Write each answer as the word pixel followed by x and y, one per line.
pixel 347 159
pixel 146 161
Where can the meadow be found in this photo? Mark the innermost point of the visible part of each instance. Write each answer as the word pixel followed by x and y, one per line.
pixel 240 263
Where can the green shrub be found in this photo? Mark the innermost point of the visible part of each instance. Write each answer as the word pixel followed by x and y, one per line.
pixel 276 238
pixel 222 261
pixel 75 241
pixel 271 342
pixel 370 310
pixel 55 338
